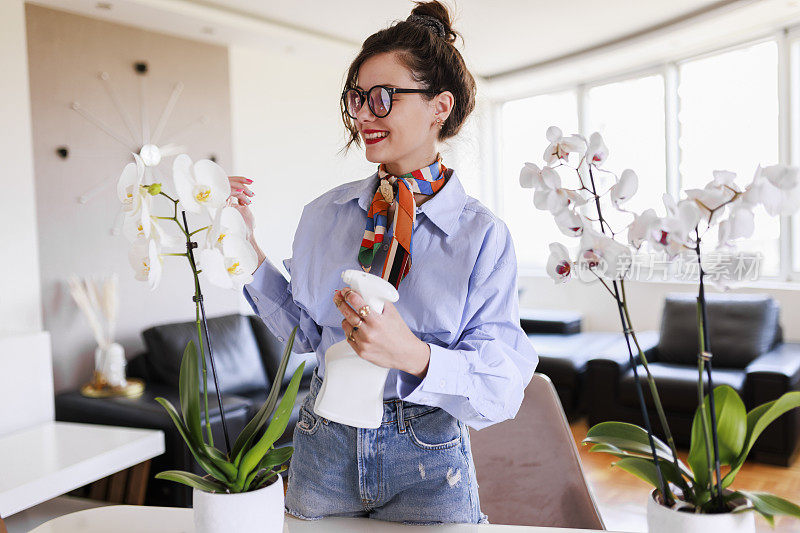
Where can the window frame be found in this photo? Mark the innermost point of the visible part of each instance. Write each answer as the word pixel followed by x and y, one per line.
pixel 787 40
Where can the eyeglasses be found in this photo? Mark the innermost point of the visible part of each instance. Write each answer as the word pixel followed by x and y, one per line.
pixel 379 99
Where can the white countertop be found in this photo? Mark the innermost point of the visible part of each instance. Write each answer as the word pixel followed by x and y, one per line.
pixel 131 518
pixel 53 458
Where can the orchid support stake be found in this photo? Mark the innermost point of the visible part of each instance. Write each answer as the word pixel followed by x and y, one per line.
pixel 705 357
pixel 665 492
pixel 198 298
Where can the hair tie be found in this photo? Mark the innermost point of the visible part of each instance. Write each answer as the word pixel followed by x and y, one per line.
pixel 431 22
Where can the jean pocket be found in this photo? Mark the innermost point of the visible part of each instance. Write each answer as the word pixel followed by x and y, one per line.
pixel 434 430
pixel 307 421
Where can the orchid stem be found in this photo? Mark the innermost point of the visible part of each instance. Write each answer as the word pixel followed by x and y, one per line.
pixel 199 230
pixel 626 329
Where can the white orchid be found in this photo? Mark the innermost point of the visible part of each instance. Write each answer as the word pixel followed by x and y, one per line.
pixel 129 187
pixel 559 264
pixel 133 228
pixel 145 258
pixel 231 265
pixel 739 225
pixel 202 185
pixel 625 188
pixel 569 223
pixel 560 147
pixel 671 234
pixel 603 255
pixel 771 188
pixel 597 152
pixel 640 229
pixel 227 223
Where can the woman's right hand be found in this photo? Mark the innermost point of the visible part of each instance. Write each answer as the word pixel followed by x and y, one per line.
pixel 241 192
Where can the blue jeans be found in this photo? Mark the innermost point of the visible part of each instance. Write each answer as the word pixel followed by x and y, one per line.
pixel 416 468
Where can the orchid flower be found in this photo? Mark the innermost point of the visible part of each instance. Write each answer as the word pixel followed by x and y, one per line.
pixel 129 187
pixel 227 222
pixel 597 151
pixel 625 188
pixel 739 225
pixel 560 147
pixel 640 229
pixel 671 233
pixel 569 223
pixel 145 259
pixel 202 185
pixel 603 255
pixel 134 228
pixel 772 188
pixel 231 265
pixel 559 265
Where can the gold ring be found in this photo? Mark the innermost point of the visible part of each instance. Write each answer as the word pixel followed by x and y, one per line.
pixel 363 311
pixel 360 321
pixel 351 337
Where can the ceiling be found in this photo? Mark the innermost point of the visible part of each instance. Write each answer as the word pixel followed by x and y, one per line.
pixel 499 35
pixel 502 38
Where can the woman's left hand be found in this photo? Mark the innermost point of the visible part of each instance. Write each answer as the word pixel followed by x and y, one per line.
pixel 383 339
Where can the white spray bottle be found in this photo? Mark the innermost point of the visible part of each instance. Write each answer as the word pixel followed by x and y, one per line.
pixel 352 387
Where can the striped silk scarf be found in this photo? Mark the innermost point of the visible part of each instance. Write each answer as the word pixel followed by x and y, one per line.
pixel 426 180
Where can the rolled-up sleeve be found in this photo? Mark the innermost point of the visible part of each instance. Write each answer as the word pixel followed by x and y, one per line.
pixel 481 380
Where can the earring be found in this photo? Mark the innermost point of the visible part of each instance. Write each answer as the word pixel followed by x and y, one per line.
pixel 439 121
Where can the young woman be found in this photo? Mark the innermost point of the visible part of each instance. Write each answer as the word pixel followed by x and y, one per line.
pixel 456 353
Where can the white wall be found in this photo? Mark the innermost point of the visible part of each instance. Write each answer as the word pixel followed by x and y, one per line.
pixel 20 308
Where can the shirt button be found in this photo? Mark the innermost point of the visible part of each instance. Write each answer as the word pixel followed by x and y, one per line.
pixel 280 339
pixel 442 383
pixel 255 299
pixel 385 246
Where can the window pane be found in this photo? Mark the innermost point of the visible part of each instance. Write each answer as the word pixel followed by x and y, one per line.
pixel 630 117
pixel 524 123
pixel 729 120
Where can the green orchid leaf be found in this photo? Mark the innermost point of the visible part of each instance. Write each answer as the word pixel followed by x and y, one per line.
pixel 731 432
pixel 769 505
pixel 198 454
pixel 645 470
pixel 188 384
pixel 624 431
pixel 252 428
pixel 275 429
pixel 622 453
pixel 758 420
pixel 195 481
pixel 221 461
pixel 275 457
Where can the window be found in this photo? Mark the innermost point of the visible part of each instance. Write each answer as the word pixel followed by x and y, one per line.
pixel 524 123
pixel 630 117
pixel 729 121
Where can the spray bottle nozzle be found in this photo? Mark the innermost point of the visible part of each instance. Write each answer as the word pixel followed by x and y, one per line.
pixel 374 289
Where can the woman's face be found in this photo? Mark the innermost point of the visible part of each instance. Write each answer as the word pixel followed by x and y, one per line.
pixel 411 124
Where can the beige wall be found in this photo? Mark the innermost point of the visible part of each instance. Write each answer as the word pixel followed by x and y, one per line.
pixel 66 53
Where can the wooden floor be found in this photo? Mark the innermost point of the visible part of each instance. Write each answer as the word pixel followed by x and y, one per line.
pixel 621 497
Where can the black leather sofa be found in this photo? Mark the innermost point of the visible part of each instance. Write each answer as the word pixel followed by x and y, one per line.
pixel 748 354
pixel 246 355
pixel 564 351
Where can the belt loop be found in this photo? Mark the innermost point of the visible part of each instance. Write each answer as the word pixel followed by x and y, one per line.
pixel 401 423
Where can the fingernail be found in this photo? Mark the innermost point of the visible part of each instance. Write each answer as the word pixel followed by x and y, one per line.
pixel 247 201
pixel 239 190
pixel 249 180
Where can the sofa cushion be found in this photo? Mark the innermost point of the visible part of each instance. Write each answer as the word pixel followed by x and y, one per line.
pixel 272 351
pixel 676 384
pixel 236 355
pixel 741 327
pixel 549 321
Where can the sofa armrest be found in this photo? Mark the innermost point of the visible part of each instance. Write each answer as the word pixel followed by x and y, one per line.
pixel 773 373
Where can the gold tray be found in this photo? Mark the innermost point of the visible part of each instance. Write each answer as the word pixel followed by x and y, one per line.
pixel 133 389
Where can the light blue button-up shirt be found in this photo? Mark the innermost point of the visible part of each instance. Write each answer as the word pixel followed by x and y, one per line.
pixel 460 297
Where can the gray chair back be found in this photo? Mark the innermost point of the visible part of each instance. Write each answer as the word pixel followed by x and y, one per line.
pixel 528 469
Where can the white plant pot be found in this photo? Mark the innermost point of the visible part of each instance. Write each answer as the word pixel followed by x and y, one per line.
pixel 660 519
pixel 260 510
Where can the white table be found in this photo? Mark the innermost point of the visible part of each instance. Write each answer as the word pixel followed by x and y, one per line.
pixel 135 519
pixel 53 458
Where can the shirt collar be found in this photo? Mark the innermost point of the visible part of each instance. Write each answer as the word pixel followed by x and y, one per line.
pixel 443 209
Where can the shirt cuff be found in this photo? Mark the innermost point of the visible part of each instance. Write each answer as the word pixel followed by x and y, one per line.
pixel 268 290
pixel 444 369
